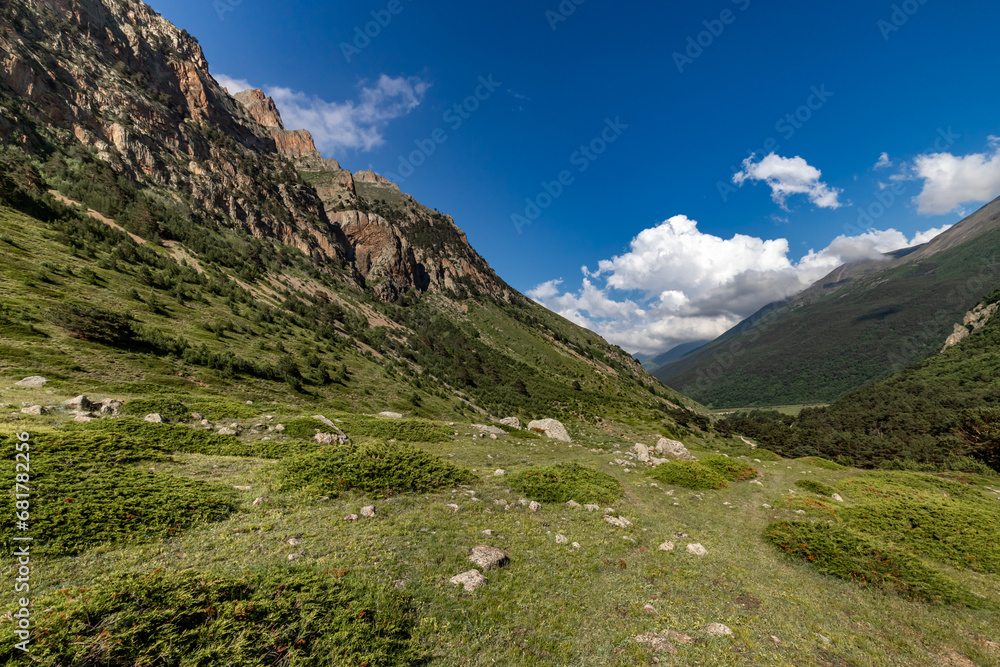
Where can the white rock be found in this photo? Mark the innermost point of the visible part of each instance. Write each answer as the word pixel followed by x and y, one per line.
pixel 666 546
pixel 34 410
pixel 279 428
pixel 328 422
pixel 453 507
pixel 673 449
pixel 487 532
pixel 837 497
pixel 499 472
pixel 337 438
pixel 470 580
pixel 696 550
pixel 390 415
pixel 295 556
pixel 259 501
pixel 572 503
pixel 513 422
pixel 368 511
pixel 561 539
pixel 655 641
pixel 488 557
pixel 650 609
pixel 294 541
pixel 80 402
pixel 575 545
pixel 154 418
pixel 351 517
pixel 534 506
pixel 550 427
pixel 717 629
pixel 767 507
pixel 242 488
pixel 620 521
pixel 32 381
pixel 641 452
pixel 111 406
pixel 592 508
pixel 495 430
pixel 226 431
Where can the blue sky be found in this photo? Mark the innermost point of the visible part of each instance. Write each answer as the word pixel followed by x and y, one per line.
pixel 647 114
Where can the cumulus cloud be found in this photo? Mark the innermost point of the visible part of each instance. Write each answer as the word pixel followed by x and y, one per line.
pixel 676 284
pixel 355 124
pixel 951 180
pixel 789 176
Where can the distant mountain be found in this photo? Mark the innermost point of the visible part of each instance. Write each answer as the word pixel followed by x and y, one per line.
pixel 651 363
pixel 230 253
pixel 859 324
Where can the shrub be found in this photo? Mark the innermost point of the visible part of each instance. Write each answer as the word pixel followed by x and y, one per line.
pixel 285 616
pixel 92 323
pixel 303 428
pixel 378 469
pixel 841 552
pixel 85 494
pixel 565 482
pixel 809 505
pixel 949 530
pixel 820 462
pixel 166 408
pixel 764 454
pixel 732 470
pixel 813 486
pixel 884 485
pixel 225 410
pixel 689 474
pixel 410 430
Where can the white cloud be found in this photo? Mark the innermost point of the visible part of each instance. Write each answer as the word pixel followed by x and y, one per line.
pixel 335 126
pixel 883 162
pixel 787 177
pixel 951 181
pixel 676 284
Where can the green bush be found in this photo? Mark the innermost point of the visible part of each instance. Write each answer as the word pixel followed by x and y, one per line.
pixel 764 454
pixel 377 469
pixel 278 617
pixel 813 486
pixel 732 470
pixel 884 485
pixel 93 323
pixel 689 474
pixel 225 410
pixel 950 530
pixel 303 428
pixel 820 462
pixel 841 552
pixel 410 430
pixel 169 409
pixel 562 483
pixel 85 493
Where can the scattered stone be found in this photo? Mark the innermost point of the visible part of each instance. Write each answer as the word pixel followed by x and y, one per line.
pixel 561 539
pixel 696 550
pixel 799 511
pixel 499 472
pixel 400 584
pixel 368 511
pixel 487 532
pixel 453 507
pixel 767 507
pixel 650 609
pixel 673 449
pixel 837 497
pixel 619 522
pixel 666 546
pixel 629 538
pixel 572 503
pixel 225 430
pixel 494 430
pixel 470 580
pixel 328 422
pixel 83 418
pixel 80 402
pixel 390 415
pixel 513 422
pixel 259 501
pixel 111 406
pixel 34 410
pixel 295 555
pixel 550 427
pixel 351 517
pixel 493 436
pixel 33 381
pixel 592 508
pixel 655 641
pixel 641 452
pixel 242 488
pixel 575 545
pixel 196 417
pixel 294 542
pixel 338 438
pixel 775 639
pixel 154 418
pixel 718 630
pixel 279 428
pixel 534 506
pixel 678 637
pixel 522 501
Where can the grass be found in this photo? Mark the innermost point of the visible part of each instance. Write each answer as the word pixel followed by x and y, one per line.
pixel 288 617
pixel 813 486
pixel 170 410
pixel 378 470
pixel 820 462
pixel 565 482
pixel 732 470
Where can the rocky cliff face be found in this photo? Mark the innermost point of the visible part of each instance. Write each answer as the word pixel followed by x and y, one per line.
pixel 118 78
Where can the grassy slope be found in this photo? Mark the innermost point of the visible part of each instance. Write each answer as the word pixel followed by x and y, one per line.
pixel 817 352
pixel 554 605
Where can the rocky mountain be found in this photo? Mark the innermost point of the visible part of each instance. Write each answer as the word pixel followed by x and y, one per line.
pixel 201 212
pixel 857 325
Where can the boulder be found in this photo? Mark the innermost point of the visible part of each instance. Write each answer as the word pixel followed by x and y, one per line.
pixel 225 430
pixel 34 410
pixel 641 452
pixel 111 406
pixel 655 641
pixel 499 472
pixel 493 430
pixel 321 418
pixel 351 517
pixel 368 511
pixel 534 506
pixel 673 449
pixel 619 521
pixel 513 422
pixel 591 508
pixel 338 438
pixel 390 415
pixel 666 546
pixel 561 539
pixel 470 580
pixel 718 630
pixel 550 427
pixel 80 402
pixel 572 503
pixel 837 497
pixel 696 550
pixel 154 418
pixel 33 381
pixel 487 557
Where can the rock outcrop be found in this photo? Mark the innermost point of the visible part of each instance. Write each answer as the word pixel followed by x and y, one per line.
pixel 973 321
pixel 550 427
